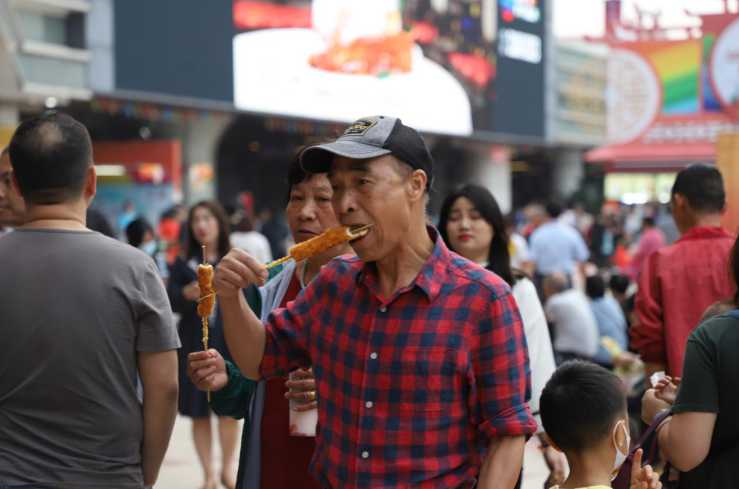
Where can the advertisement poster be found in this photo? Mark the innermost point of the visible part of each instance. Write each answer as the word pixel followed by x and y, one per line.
pixel 434 63
pixel 672 99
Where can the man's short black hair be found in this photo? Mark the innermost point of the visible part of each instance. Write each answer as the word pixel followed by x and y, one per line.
pixel 619 283
pixel 580 404
pixel 648 221
pixel 554 209
pixel 136 230
pixel 595 286
pixel 50 155
pixel 703 187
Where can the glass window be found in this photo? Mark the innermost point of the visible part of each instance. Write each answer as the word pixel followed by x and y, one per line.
pixel 43 27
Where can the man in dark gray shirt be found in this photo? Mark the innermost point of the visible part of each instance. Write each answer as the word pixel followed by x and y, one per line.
pixel 82 316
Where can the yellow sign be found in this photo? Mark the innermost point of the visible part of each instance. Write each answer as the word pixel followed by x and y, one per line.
pixel 727 150
pixel 6 132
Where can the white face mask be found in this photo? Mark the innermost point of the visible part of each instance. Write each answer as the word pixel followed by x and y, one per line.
pixel 620 456
pixel 150 247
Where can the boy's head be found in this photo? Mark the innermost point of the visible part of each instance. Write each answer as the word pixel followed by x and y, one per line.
pixel 583 409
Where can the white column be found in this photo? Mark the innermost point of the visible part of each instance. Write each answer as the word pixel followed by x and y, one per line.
pixel 100 42
pixel 493 171
pixel 200 138
pixel 569 171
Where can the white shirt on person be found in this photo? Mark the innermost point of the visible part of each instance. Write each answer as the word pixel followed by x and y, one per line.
pixel 541 357
pixel 254 243
pixel 519 251
pixel 575 328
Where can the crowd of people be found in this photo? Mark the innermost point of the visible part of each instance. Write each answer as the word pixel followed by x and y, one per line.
pixel 427 352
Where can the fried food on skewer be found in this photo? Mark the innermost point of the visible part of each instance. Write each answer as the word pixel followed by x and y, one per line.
pixel 207 300
pixel 319 244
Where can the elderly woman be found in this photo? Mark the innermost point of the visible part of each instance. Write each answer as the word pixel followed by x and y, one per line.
pixel 267 442
pixel 701 437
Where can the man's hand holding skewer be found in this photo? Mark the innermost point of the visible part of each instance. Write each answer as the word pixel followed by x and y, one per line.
pixel 236 271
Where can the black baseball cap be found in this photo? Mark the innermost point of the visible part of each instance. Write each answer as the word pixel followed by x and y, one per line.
pixel 372 137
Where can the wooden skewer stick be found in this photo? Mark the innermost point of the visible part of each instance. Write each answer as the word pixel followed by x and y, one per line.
pixel 204 321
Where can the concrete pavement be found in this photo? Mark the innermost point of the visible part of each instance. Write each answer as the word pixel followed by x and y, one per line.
pixel 181 469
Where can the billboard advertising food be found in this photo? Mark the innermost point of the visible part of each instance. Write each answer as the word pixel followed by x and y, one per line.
pixel 673 98
pixel 444 66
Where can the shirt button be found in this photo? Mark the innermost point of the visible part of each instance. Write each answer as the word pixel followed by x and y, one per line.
pixel 368 404
pixel 373 355
pixel 383 309
pixel 365 454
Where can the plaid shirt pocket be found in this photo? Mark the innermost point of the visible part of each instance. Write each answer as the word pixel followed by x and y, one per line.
pixel 422 380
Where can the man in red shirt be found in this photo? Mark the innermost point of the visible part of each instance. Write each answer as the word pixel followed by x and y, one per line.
pixel 419 355
pixel 679 282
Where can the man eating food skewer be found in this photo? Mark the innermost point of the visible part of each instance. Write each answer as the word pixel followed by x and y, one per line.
pixel 419 355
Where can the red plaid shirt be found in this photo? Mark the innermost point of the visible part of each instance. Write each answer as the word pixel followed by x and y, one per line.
pixel 412 387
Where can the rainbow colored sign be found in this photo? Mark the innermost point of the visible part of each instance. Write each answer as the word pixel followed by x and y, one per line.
pixel 670 100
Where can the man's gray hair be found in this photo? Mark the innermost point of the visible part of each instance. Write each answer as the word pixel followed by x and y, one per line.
pixel 556 282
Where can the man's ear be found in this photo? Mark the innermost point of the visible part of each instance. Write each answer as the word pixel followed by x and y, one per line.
pixel 90 184
pixel 679 200
pixel 417 184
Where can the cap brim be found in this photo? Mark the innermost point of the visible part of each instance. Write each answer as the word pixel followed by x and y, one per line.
pixel 318 159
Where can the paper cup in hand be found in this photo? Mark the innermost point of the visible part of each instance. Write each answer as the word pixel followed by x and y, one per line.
pixel 302 423
pixel 656 377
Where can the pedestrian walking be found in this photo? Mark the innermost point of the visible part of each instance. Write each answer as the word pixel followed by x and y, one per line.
pixel 206 226
pixel 85 318
pixel 677 283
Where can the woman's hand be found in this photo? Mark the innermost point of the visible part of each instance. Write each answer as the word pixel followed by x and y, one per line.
pixel 651 406
pixel 643 477
pixel 302 390
pixel 207 370
pixel 191 291
pixel 666 389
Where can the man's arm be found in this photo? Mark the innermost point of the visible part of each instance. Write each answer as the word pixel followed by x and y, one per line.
pixel 244 332
pixel 502 465
pixel 500 364
pixel 158 373
pixel 647 334
pixel 581 251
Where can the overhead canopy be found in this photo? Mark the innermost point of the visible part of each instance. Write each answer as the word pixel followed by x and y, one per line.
pixel 642 158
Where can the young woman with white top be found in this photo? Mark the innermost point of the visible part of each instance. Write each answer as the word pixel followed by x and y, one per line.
pixel 472 225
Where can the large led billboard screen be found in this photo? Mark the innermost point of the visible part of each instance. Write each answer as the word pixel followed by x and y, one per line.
pixel 443 66
pixel 459 67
